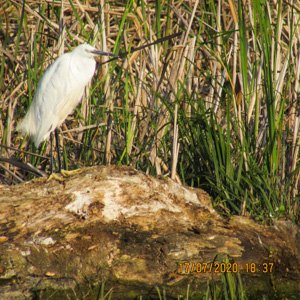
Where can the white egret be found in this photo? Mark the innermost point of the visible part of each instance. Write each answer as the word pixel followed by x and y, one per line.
pixel 59 91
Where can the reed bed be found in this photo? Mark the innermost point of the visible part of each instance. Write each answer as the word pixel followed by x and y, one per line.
pixel 217 107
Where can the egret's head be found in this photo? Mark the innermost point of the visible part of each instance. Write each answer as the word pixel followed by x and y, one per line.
pixel 90 51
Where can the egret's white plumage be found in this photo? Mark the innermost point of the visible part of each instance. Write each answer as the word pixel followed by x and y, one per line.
pixel 59 91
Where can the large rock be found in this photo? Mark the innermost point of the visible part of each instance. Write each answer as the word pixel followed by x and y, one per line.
pixel 64 237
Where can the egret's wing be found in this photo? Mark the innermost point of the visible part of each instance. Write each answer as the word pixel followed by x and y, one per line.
pixel 58 93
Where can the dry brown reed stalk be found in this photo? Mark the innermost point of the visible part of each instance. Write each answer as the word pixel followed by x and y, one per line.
pixel 176 74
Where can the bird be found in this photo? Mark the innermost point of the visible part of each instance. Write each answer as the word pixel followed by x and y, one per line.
pixel 59 91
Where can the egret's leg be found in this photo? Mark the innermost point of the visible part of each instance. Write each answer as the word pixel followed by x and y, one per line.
pixel 55 175
pixel 58 150
pixel 51 153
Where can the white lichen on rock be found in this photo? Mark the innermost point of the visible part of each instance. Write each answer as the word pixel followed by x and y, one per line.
pixel 81 203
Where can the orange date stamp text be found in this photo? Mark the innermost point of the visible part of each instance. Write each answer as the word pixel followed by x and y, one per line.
pixel 224 267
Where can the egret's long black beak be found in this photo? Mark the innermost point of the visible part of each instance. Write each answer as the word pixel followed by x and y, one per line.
pixel 99 52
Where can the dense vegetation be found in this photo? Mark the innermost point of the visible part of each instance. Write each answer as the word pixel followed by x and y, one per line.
pixel 217 107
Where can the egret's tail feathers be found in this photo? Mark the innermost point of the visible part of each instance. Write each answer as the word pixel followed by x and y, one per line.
pixel 27 125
